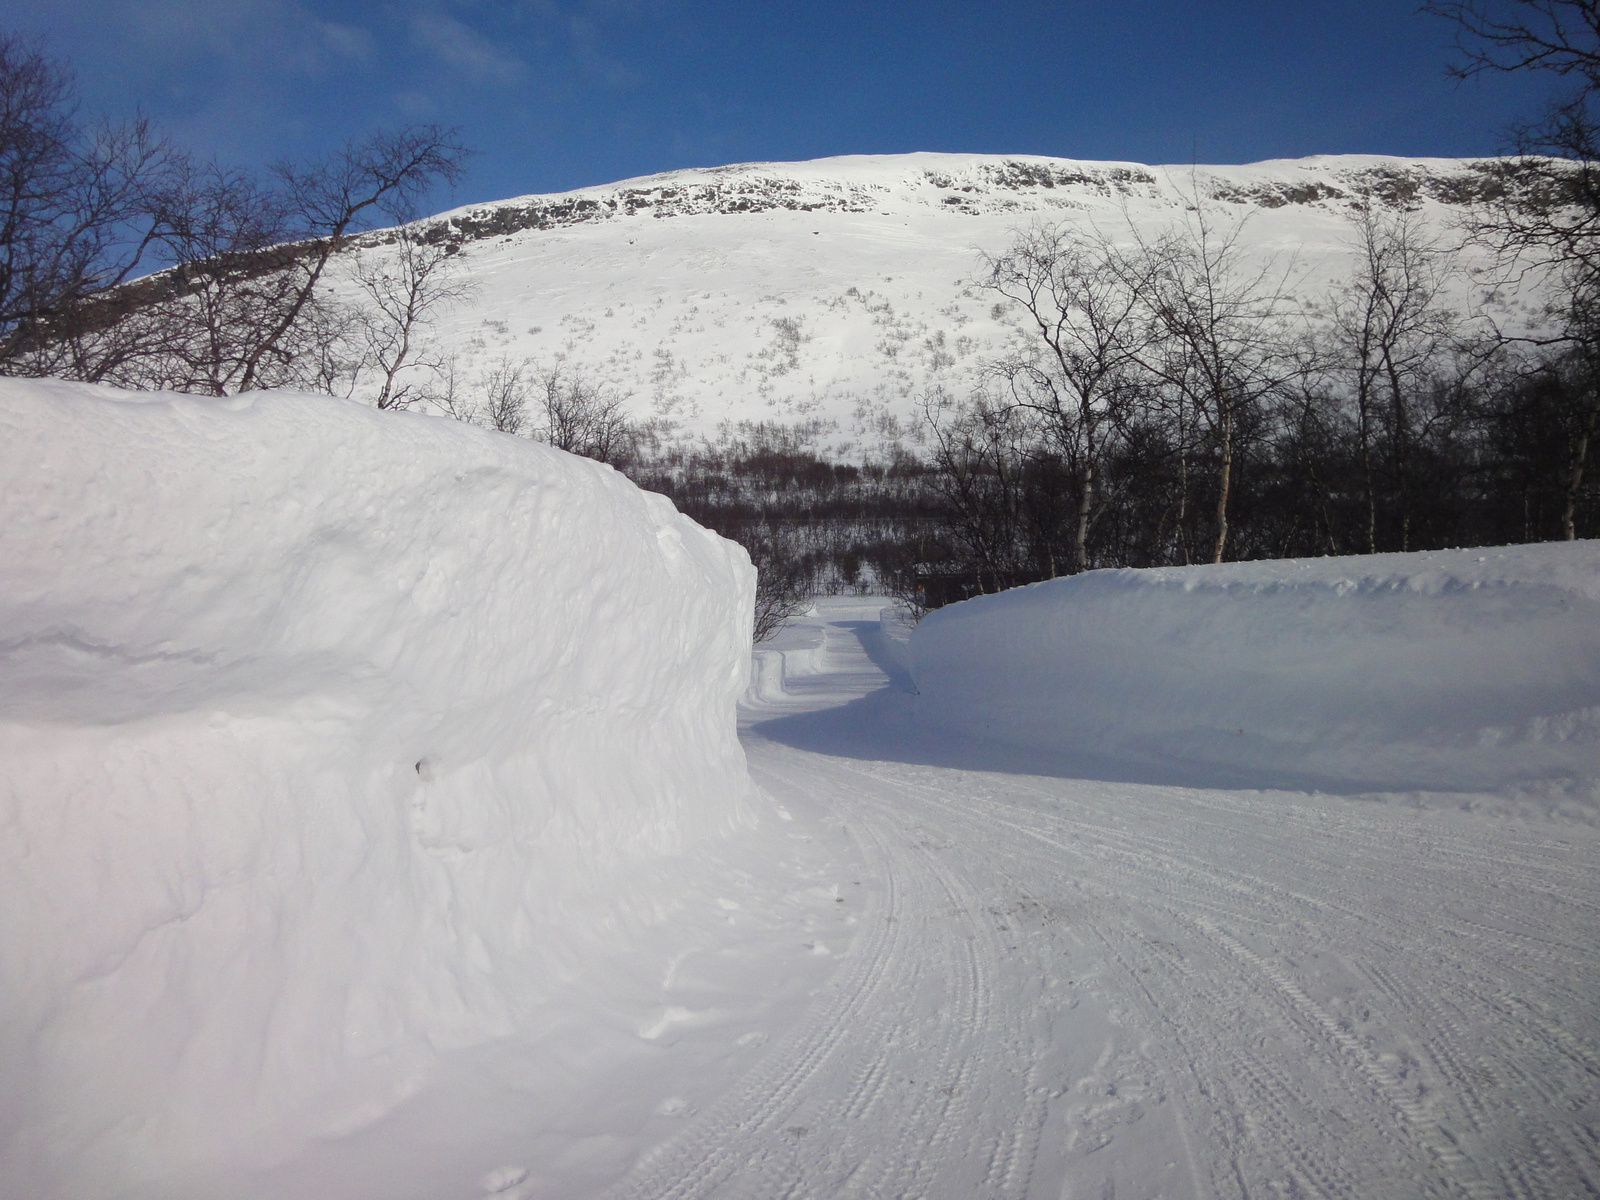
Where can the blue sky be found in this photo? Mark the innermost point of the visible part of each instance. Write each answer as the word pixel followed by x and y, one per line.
pixel 555 94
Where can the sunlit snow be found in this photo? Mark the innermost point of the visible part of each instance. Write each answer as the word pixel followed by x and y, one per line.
pixel 842 290
pixel 373 821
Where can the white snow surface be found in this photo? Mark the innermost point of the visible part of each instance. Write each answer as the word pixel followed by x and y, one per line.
pixel 1455 669
pixel 841 289
pixel 334 741
pixel 1051 985
pixel 249 949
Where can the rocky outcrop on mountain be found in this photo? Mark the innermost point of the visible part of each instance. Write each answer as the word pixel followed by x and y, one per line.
pixel 975 185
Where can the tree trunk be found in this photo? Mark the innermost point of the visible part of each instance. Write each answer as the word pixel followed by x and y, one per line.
pixel 1183 486
pixel 1402 455
pixel 1364 405
pixel 1080 540
pixel 1224 477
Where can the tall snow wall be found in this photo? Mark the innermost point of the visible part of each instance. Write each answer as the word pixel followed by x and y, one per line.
pixel 1452 670
pixel 330 738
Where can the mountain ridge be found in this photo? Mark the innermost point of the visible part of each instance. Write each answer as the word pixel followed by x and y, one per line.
pixel 959 180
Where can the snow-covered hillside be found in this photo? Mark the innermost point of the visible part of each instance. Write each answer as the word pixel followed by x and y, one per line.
pixel 332 741
pixel 840 289
pixel 1459 669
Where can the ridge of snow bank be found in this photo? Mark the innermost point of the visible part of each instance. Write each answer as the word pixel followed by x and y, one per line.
pixel 330 738
pixel 1448 670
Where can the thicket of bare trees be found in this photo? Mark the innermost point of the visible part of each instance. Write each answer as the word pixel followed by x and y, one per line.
pixel 89 211
pixel 556 403
pixel 75 201
pixel 1169 402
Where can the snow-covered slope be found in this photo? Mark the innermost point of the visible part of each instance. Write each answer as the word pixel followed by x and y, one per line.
pixel 332 740
pixel 1462 669
pixel 840 288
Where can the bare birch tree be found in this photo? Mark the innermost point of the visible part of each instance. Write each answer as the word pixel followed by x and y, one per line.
pixel 506 389
pixel 1221 337
pixel 1082 298
pixel 75 216
pixel 403 289
pixel 1391 328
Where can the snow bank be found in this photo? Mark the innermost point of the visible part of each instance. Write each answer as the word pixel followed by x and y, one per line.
pixel 895 626
pixel 330 739
pixel 796 649
pixel 1452 670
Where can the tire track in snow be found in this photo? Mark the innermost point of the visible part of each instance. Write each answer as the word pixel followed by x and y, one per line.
pixel 721 1140
pixel 1267 1090
pixel 1272 1093
pixel 850 1054
pixel 1404 936
pixel 1322 997
pixel 1457 1172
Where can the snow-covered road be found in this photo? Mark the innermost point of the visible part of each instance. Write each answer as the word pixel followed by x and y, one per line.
pixel 1080 988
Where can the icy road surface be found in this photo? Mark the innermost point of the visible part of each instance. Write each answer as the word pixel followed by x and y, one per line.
pixel 1053 987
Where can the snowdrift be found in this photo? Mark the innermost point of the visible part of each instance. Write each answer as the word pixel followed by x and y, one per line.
pixel 330 738
pixel 1454 670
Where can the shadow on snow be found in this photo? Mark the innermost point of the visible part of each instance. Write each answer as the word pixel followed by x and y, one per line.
pixel 881 726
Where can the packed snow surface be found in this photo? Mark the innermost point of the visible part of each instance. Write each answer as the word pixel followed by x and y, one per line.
pixel 842 290
pixel 333 740
pixel 1052 985
pixel 373 827
pixel 1450 669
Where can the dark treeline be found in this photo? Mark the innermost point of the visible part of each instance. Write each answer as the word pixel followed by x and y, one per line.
pixel 811 525
pixel 1168 403
pixel 992 499
pixel 1487 460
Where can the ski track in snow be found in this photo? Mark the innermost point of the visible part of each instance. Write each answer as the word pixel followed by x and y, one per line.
pixel 1080 989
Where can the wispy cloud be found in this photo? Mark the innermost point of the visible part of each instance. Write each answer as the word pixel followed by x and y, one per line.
pixel 585 36
pixel 345 41
pixel 287 32
pixel 463 49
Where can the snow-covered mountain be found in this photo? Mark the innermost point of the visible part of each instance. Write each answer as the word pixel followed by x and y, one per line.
pixel 841 288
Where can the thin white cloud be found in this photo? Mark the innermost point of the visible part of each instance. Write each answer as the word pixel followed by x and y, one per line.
pixel 245 31
pixel 465 50
pixel 345 41
pixel 583 35
pixel 416 105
